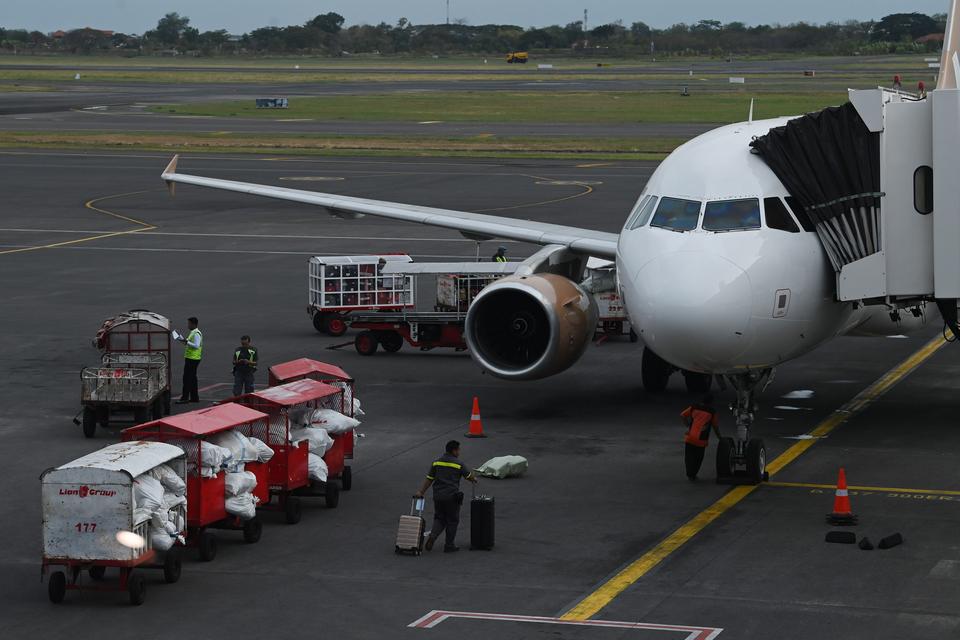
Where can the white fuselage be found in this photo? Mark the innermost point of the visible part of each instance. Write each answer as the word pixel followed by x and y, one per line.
pixel 732 300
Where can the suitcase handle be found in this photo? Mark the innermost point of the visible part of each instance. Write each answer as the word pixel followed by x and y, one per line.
pixel 417 505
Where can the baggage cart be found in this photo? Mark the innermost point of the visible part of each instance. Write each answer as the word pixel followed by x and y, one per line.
pixel 90 521
pixel 133 375
pixel 289 468
pixel 343 443
pixel 206 497
pixel 338 285
pixel 457 285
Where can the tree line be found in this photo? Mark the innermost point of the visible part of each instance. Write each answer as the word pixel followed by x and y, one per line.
pixel 325 34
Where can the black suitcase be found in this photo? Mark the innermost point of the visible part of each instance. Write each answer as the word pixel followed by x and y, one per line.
pixel 481 521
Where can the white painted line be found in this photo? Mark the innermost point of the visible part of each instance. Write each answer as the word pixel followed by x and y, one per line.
pixel 899 337
pixel 799 394
pixel 784 407
pixel 431 122
pixel 311 178
pixel 436 617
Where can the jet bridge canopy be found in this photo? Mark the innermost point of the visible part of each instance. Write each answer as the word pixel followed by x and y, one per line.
pixel 865 174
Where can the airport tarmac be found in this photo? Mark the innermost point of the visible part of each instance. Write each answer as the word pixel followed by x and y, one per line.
pixel 83 236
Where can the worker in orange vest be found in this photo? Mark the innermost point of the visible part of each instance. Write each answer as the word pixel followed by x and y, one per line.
pixel 698 419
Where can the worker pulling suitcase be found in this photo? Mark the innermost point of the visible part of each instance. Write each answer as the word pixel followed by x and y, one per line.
pixel 410 529
pixel 481 521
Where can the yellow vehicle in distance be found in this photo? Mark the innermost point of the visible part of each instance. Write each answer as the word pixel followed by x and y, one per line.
pixel 518 57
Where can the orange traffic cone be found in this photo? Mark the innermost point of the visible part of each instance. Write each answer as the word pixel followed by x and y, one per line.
pixel 476 427
pixel 842 515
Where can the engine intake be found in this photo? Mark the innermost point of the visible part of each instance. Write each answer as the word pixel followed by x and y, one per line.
pixel 526 328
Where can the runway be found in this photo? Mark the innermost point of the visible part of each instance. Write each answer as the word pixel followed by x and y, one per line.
pixel 85 235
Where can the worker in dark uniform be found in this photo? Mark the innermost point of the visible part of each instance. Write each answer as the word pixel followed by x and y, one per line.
pixel 698 419
pixel 444 475
pixel 192 355
pixel 244 366
pixel 500 255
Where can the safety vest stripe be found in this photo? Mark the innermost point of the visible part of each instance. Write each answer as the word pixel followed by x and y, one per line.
pixel 452 465
pixel 842 492
pixel 474 416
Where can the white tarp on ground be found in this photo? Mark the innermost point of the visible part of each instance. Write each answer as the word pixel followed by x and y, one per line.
pixel 503 467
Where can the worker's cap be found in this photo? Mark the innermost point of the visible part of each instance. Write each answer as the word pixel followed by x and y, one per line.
pixel 501 248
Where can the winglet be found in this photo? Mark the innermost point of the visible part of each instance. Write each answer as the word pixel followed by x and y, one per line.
pixel 170 170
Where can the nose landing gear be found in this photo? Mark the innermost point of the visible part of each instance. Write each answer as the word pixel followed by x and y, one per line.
pixel 742 459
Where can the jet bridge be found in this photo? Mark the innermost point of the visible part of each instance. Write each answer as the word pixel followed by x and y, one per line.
pixel 880 178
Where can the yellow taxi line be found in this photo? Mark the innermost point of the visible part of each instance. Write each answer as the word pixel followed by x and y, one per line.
pixel 593 603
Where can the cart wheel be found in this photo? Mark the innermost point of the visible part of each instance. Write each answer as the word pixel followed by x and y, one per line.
pixel 156 409
pixel 252 530
pixel 208 546
pixel 291 510
pixel 335 325
pixel 633 336
pixel 396 550
pixel 89 422
pixel 172 565
pixel 97 572
pixel 140 414
pixel 166 403
pixel 103 416
pixel 57 587
pixel 137 588
pixel 332 495
pixel 366 343
pixel 346 478
pixel 319 322
pixel 391 341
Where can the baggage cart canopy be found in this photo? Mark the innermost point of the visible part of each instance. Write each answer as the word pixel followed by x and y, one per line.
pixel 199 423
pixel 134 457
pixel 451 268
pixel 370 259
pixel 293 393
pixel 305 367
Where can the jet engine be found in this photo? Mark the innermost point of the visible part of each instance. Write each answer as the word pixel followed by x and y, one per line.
pixel 530 327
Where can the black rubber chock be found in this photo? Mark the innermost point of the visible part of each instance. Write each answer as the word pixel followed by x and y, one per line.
pixel 865 544
pixel 841 537
pixel 890 541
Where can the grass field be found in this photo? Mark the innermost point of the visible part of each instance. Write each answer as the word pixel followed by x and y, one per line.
pixel 501 106
pixel 472 146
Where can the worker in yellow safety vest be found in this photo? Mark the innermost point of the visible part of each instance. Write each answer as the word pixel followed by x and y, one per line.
pixel 499 255
pixel 192 354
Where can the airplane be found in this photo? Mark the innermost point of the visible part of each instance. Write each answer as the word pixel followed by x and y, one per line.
pixel 724 274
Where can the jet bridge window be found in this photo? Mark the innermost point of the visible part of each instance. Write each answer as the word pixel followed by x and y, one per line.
pixel 677 214
pixel 732 215
pixel 777 215
pixel 642 217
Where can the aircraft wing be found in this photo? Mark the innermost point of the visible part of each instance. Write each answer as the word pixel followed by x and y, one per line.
pixel 472 225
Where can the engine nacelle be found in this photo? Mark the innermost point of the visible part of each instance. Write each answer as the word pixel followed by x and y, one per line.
pixel 530 327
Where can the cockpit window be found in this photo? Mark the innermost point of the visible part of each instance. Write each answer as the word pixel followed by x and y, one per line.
pixel 801 214
pixel 676 214
pixel 645 212
pixel 732 215
pixel 636 212
pixel 777 215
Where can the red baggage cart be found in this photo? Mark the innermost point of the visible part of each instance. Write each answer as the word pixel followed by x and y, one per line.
pixel 343 443
pixel 288 469
pixel 206 499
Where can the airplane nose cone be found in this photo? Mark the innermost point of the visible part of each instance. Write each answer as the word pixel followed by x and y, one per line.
pixel 695 309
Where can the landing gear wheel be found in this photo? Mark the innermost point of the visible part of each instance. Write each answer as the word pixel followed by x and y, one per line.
pixel 89 422
pixel 97 572
pixel 346 478
pixel 725 449
pixel 366 343
pixel 157 409
pixel 252 530
pixel 391 341
pixel 335 325
pixel 697 382
pixel 140 414
pixel 655 372
pixel 756 460
pixel 320 322
pixel 57 587
pixel 208 546
pixel 172 565
pixel 137 588
pixel 332 494
pixel 292 510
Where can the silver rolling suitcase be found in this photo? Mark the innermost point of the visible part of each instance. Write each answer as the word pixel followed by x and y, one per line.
pixel 410 529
